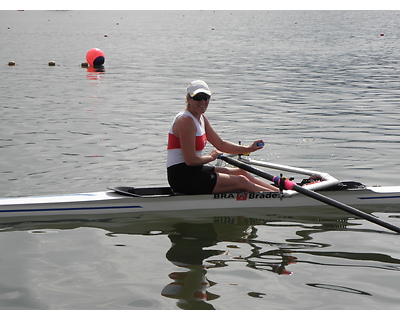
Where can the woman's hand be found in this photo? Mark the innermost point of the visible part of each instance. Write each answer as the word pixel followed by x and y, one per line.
pixel 215 154
pixel 257 145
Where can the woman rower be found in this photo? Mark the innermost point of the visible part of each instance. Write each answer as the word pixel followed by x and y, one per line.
pixel 187 138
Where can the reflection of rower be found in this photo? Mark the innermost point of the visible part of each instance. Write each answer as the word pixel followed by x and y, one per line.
pixel 190 287
pixel 280 268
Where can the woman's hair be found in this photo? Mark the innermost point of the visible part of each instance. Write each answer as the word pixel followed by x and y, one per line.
pixel 188 96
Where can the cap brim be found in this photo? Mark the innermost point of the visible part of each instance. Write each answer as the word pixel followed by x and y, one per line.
pixel 200 91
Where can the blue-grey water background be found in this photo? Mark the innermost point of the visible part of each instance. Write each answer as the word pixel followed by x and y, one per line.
pixel 320 87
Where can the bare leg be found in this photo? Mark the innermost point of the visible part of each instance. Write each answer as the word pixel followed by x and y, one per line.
pixel 232 179
pixel 241 172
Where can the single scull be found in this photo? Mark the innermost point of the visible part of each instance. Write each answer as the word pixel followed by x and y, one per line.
pixel 128 200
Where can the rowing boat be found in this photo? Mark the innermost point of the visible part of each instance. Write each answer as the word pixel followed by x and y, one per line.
pixel 164 200
pixel 129 200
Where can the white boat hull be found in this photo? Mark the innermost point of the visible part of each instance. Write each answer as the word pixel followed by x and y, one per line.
pixel 385 199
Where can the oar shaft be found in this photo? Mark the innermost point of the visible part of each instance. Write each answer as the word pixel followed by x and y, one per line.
pixel 291 185
pixel 345 207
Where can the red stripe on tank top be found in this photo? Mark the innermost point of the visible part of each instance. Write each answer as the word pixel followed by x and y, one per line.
pixel 174 143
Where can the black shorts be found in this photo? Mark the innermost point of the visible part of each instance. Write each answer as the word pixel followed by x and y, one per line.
pixel 192 179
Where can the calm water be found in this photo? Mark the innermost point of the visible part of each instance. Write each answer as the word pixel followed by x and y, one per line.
pixel 321 88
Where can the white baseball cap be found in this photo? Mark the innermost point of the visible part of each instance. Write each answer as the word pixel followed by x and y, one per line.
pixel 198 86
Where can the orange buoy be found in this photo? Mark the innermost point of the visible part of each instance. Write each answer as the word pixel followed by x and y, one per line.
pixel 95 57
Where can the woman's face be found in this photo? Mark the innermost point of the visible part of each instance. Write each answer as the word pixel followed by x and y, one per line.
pixel 199 102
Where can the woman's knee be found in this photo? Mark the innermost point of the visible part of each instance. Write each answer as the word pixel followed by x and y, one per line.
pixel 240 172
pixel 244 173
pixel 242 180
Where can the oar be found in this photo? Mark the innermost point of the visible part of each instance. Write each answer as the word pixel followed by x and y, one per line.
pixel 290 185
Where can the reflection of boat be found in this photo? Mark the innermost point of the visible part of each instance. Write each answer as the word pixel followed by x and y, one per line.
pixel 187 281
pixel 155 223
pixel 140 201
pixel 197 241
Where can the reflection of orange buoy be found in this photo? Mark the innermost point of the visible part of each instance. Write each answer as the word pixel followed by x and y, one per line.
pixel 95 72
pixel 98 69
pixel 95 57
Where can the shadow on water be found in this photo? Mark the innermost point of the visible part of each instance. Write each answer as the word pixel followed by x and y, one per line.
pixel 194 238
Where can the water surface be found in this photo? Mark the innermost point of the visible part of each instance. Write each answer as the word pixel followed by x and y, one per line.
pixel 320 87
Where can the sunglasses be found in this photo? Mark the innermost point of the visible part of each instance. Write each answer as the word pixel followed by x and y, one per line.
pixel 201 96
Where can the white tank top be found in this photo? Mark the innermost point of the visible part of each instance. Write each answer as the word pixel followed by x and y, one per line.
pixel 174 151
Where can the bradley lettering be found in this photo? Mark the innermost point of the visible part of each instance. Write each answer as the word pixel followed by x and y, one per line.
pixel 224 196
pixel 247 196
pixel 265 195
